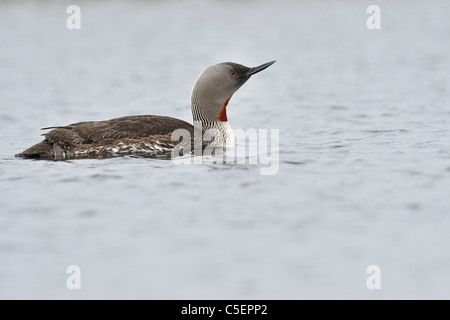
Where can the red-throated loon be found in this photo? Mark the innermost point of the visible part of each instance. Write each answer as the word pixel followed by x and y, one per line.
pixel 149 134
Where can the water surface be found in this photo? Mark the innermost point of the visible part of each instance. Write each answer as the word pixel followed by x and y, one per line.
pixel 364 172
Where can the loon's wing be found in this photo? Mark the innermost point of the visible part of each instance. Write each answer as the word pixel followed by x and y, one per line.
pixel 131 127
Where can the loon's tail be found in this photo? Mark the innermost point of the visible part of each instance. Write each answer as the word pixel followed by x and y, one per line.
pixel 40 150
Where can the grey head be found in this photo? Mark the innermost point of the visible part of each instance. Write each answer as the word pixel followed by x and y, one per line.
pixel 215 86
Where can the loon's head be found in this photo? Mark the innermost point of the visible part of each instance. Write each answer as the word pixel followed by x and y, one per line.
pixel 215 86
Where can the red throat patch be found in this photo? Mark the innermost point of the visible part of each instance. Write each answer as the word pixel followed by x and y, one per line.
pixel 223 113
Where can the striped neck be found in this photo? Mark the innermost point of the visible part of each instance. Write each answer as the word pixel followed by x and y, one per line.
pixel 210 127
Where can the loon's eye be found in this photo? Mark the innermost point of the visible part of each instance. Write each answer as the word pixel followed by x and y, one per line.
pixel 233 73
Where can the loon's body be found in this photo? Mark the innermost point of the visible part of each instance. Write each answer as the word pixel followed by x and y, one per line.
pixel 150 134
pixel 140 135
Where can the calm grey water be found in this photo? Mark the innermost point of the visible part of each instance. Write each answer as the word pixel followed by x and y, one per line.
pixel 364 176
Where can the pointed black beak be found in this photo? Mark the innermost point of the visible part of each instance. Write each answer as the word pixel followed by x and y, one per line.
pixel 257 69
